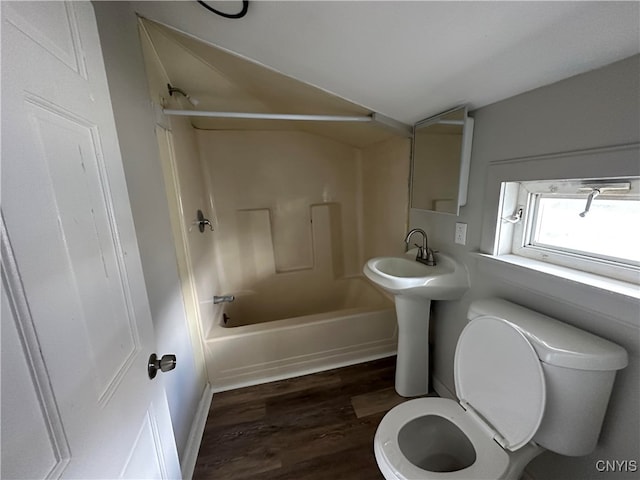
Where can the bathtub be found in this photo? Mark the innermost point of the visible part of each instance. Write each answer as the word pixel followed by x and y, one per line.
pixel 274 336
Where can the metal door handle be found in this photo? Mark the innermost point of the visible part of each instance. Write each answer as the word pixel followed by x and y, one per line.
pixel 164 364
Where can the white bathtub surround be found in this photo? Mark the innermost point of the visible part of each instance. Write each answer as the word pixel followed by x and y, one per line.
pixel 300 296
pixel 253 354
pixel 295 210
pixel 270 337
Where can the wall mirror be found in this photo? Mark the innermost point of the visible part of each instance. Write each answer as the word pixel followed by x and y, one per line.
pixel 440 161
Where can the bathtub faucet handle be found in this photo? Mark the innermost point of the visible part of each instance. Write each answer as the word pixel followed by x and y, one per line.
pixel 201 222
pixel 223 299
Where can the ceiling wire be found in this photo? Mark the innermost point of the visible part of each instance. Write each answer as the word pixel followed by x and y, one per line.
pixel 242 13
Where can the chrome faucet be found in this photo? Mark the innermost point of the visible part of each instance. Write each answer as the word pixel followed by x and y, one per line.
pixel 223 298
pixel 425 254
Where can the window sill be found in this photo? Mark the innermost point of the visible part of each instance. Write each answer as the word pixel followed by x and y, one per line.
pixel 606 285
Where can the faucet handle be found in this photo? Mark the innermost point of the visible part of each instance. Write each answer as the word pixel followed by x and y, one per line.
pixel 422 254
pixel 430 260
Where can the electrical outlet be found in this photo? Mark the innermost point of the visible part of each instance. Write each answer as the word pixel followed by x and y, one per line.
pixel 461 233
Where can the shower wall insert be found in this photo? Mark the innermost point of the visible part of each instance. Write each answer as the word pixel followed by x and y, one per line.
pixel 288 216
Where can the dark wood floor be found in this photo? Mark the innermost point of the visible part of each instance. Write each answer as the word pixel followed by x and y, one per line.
pixel 319 426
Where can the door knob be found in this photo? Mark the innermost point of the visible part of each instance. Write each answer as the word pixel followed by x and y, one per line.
pixel 164 364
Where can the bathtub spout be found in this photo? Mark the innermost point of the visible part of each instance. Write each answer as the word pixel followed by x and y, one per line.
pixel 223 299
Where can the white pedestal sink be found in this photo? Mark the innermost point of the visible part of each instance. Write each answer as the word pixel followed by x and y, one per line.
pixel 414 285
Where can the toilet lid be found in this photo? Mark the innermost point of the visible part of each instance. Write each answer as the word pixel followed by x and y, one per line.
pixel 499 374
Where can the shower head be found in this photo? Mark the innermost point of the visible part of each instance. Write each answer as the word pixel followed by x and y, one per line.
pixel 172 90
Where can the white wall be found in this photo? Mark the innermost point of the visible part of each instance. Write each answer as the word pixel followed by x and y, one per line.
pixel 385 196
pixel 596 109
pixel 117 25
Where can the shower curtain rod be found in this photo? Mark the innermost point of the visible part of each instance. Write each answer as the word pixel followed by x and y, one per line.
pixel 377 118
pixel 270 116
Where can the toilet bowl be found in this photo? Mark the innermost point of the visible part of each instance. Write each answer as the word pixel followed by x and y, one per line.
pixel 439 440
pixel 435 435
pixel 516 373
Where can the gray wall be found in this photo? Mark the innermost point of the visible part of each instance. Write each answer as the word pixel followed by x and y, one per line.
pixel 117 24
pixel 595 109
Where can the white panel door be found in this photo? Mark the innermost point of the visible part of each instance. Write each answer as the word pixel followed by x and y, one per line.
pixel 76 326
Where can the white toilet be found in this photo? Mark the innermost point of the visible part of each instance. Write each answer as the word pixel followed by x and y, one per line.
pixel 526 383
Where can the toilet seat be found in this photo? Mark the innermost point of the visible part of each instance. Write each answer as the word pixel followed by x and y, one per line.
pixel 491 460
pixel 498 374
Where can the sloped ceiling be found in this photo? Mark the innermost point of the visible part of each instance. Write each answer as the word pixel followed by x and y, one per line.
pixel 411 60
pixel 224 82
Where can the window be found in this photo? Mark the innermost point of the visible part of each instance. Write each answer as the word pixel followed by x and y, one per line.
pixel 586 224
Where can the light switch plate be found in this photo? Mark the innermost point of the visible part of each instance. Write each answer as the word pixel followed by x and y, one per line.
pixel 461 233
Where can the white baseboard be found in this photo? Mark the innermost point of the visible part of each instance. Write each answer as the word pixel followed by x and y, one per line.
pixel 442 390
pixel 195 435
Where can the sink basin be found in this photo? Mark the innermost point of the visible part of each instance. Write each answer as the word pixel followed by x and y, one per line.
pixel 447 280
pixel 414 285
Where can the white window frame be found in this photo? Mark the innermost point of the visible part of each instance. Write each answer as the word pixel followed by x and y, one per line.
pixel 517 223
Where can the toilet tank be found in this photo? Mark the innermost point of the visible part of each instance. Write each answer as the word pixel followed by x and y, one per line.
pixel 579 370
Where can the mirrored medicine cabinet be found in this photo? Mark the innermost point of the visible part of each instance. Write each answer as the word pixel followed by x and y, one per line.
pixel 441 154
